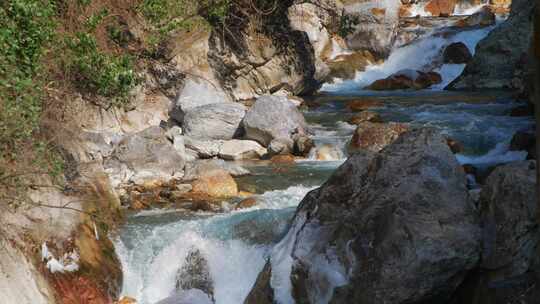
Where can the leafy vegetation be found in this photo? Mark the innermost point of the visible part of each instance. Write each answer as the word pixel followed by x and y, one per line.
pixel 97 72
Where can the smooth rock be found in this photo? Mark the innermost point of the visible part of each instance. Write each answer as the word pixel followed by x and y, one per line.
pixel 217 183
pixel 214 121
pixel 405 80
pixel 241 149
pixel 360 105
pixel 273 117
pixel 280 146
pixel 195 93
pixel 456 53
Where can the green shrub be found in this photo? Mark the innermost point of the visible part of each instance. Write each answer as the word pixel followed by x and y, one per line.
pixel 26 29
pixel 99 73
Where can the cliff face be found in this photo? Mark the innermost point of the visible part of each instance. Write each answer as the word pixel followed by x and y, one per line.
pixel 501 59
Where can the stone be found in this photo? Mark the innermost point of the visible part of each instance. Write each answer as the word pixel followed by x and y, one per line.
pixel 282 159
pixel 145 156
pixel 443 8
pixel 126 300
pixel 203 148
pixel 241 149
pixel 196 93
pixel 524 141
pixel 217 183
pixel 405 80
pixel 456 53
pixel 280 146
pixel 374 25
pixel 375 136
pixel 302 145
pixel 455 146
pixel 201 167
pixel 484 17
pixel 363 104
pixel 401 213
pixel 273 117
pixel 195 274
pixel 508 206
pixel 499 56
pixel 328 153
pixel 365 116
pixel 246 203
pixel 214 121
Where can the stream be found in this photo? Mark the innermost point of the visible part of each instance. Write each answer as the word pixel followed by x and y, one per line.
pixel 154 244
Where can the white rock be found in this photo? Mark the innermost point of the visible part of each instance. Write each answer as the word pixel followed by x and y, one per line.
pixel 241 149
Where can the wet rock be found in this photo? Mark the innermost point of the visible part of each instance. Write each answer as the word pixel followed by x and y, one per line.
pixel 402 213
pixel 241 149
pixel 302 145
pixel 145 157
pixel 484 17
pixel 375 136
pixel 406 79
pixel 455 146
pixel 282 159
pixel 215 182
pixel 457 53
pixel 195 274
pixel 198 168
pixel 365 116
pixel 328 153
pixel 363 104
pixel 280 146
pixel 196 92
pixel 126 300
pixel 346 66
pixel 214 121
pixel 498 57
pixel 375 25
pixel 443 8
pixel 246 203
pixel 524 141
pixel 273 117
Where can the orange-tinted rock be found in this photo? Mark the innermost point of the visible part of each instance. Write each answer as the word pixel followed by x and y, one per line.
pixel 375 136
pixel 282 159
pixel 126 300
pixel 247 203
pixel 365 116
pixel 218 183
pixel 378 11
pixel 440 7
pixel 406 79
pixel 360 105
pixel 484 17
pixel 137 205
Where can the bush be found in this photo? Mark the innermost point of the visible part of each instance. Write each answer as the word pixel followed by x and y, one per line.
pixel 26 28
pixel 100 73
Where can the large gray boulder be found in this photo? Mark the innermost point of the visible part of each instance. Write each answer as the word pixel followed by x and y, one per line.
pixel 500 58
pixel 508 205
pixel 273 117
pixel 196 92
pixel 214 121
pixel 145 156
pixel 392 227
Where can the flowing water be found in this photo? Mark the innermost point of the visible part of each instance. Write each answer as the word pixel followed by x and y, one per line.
pixel 153 245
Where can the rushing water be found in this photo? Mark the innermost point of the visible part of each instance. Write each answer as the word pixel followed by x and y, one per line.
pixel 153 244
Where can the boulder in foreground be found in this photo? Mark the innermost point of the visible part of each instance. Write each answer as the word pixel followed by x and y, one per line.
pixel 395 227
